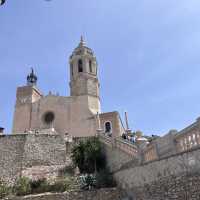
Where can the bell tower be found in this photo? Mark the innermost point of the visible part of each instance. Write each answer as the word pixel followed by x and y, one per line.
pixel 83 76
pixel 83 72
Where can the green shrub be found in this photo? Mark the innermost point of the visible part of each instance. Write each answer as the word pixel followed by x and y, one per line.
pixel 70 183
pixel 62 185
pixel 22 186
pixel 88 156
pixel 39 186
pixel 58 186
pixel 4 190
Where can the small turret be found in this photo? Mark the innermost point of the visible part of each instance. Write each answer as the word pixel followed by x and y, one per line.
pixel 25 97
pixel 31 78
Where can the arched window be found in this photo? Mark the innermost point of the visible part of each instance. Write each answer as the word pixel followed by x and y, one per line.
pixel 90 66
pixel 108 127
pixel 80 65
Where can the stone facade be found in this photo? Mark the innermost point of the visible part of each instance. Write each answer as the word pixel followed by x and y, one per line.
pixel 68 111
pixel 74 115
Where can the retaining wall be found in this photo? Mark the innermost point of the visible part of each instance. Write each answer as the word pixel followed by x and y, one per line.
pixel 18 152
pixel 163 179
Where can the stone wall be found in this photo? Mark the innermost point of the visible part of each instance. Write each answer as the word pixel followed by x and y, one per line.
pixel 166 145
pixel 44 149
pixel 102 194
pixel 116 158
pixel 11 154
pixel 183 187
pixel 22 151
pixel 156 177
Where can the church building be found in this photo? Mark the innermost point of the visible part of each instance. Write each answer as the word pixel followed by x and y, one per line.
pixel 77 115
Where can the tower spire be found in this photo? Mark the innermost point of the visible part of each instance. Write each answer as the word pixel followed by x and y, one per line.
pixel 82 42
pixel 82 38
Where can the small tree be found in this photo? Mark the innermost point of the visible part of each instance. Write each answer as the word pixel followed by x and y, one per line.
pixel 93 154
pixel 88 156
pixel 78 156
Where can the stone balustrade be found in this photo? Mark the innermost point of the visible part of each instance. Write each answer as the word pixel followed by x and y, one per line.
pixel 121 144
pixel 187 141
pixel 150 153
pixel 126 147
pixel 106 140
pixel 174 143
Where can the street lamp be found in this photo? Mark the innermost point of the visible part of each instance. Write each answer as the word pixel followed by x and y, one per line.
pixel 2 2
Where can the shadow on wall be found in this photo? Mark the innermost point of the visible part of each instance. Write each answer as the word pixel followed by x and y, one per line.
pixel 128 196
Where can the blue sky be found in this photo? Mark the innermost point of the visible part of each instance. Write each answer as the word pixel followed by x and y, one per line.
pixel 147 51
